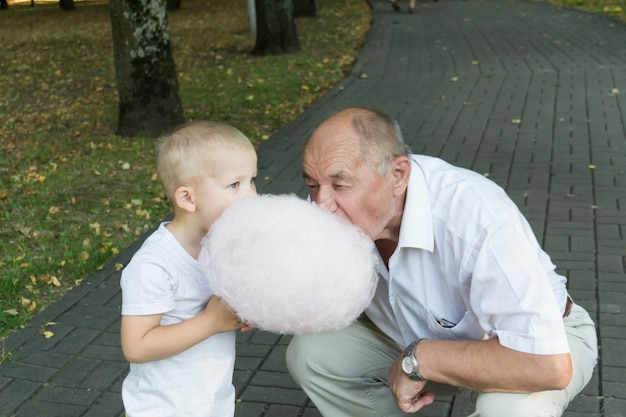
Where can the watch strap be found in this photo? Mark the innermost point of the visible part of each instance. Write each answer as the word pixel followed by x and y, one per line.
pixel 409 352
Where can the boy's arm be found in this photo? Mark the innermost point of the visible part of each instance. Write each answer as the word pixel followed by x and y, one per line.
pixel 144 339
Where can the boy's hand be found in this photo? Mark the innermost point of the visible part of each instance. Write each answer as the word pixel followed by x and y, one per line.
pixel 224 319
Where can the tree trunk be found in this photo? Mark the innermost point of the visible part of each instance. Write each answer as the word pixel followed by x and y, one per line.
pixel 67 5
pixel 144 67
pixel 304 8
pixel 4 5
pixel 173 5
pixel 275 28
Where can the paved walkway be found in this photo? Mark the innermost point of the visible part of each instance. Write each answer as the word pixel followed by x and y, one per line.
pixel 531 95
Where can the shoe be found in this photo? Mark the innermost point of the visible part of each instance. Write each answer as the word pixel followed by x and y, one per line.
pixel 395 6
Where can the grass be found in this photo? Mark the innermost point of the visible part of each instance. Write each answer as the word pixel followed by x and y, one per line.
pixel 72 193
pixel 613 8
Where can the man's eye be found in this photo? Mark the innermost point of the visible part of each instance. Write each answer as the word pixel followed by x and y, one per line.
pixel 234 185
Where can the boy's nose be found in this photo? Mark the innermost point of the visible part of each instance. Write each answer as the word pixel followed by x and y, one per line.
pixel 251 190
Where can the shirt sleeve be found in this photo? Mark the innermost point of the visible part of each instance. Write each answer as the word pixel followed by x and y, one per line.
pixel 147 288
pixel 510 290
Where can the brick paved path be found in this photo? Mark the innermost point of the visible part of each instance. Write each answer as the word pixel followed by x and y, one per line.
pixel 529 94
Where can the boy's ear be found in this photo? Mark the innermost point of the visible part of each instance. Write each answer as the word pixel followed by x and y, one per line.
pixel 184 199
pixel 401 171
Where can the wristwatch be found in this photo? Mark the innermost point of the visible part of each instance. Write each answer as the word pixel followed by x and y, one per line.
pixel 410 365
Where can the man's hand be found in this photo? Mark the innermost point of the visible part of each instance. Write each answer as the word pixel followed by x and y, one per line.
pixel 409 395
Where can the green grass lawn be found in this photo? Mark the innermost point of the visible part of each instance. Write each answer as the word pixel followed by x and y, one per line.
pixel 614 8
pixel 72 193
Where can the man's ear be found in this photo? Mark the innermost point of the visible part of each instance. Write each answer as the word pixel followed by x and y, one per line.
pixel 184 198
pixel 401 171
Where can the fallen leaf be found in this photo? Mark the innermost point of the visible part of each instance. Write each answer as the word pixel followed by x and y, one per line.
pixel 48 334
pixel 614 91
pixel 516 121
pixel 95 227
pixel 454 79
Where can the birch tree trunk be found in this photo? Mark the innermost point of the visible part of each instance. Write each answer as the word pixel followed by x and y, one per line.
pixel 149 103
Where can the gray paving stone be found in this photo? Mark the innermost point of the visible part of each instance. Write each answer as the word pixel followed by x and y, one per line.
pixel 614 407
pixel 15 393
pixel 48 409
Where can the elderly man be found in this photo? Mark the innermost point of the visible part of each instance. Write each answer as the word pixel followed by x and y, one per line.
pixel 467 302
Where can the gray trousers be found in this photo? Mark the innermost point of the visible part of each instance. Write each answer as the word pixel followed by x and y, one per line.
pixel 344 373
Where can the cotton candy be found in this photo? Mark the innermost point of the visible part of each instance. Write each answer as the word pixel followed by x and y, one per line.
pixel 288 266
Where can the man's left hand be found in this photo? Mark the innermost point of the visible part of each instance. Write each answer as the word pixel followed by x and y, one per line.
pixel 409 395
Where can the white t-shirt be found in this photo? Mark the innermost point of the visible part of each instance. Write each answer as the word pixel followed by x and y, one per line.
pixel 468 267
pixel 162 278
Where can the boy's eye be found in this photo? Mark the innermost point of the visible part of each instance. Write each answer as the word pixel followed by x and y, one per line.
pixel 234 185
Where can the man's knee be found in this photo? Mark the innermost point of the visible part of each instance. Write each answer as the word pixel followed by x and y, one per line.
pixel 297 358
pixel 538 404
pixel 315 355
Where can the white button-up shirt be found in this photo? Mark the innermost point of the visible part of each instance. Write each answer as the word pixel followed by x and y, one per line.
pixel 468 267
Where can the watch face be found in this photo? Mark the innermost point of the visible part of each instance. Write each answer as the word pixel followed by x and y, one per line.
pixel 407 365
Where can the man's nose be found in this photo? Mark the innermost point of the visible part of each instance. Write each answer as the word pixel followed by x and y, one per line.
pixel 325 199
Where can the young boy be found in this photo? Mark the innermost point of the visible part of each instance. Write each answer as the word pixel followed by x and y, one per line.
pixel 177 336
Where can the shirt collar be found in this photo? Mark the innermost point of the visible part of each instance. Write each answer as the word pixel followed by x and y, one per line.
pixel 416 229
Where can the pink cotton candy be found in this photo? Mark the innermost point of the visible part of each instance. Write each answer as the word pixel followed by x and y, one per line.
pixel 288 266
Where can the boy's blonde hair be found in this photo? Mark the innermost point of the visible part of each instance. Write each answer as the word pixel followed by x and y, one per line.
pixel 184 154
